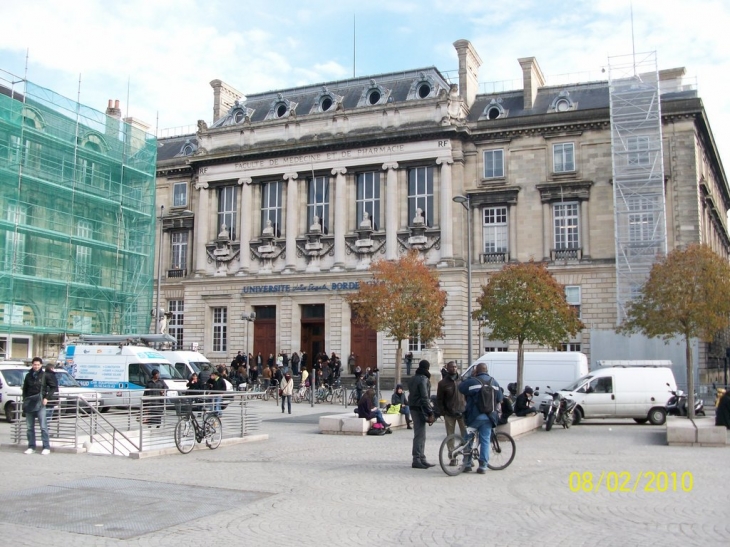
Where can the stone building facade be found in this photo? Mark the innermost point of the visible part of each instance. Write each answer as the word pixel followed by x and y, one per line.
pixel 280 206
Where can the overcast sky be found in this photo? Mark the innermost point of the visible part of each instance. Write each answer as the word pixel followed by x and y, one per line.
pixel 169 50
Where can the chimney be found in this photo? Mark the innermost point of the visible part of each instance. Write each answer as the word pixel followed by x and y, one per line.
pixel 114 114
pixel 469 63
pixel 224 97
pixel 532 80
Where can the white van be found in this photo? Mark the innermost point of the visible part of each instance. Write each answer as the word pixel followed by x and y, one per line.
pixel 640 392
pixel 187 363
pixel 557 369
pixel 123 370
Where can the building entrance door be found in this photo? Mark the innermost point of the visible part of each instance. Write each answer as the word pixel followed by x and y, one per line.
pixel 313 339
pixel 264 331
pixel 364 344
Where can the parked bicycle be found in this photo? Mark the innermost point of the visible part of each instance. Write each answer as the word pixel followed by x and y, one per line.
pixel 502 452
pixel 189 430
pixel 271 392
pixel 302 394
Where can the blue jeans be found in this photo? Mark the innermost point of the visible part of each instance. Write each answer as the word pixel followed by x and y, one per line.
pixel 288 400
pixel 30 418
pixel 484 425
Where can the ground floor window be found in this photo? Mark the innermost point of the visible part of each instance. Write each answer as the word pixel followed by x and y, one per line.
pixel 220 329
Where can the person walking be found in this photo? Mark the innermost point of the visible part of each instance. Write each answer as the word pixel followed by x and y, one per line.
pixel 419 400
pixel 155 388
pixel 399 398
pixel 287 390
pixel 38 388
pixel 476 418
pixel 451 404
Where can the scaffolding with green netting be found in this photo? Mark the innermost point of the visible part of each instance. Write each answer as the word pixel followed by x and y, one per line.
pixel 77 219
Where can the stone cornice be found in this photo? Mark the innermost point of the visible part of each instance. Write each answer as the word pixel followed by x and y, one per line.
pixel 565 190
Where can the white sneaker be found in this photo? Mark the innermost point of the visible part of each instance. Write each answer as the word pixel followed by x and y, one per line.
pixel 30 451
pixel 45 452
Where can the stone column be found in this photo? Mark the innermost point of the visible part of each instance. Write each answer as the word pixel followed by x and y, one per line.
pixel 391 210
pixel 446 222
pixel 292 216
pixel 585 239
pixel 246 210
pixel 547 229
pixel 201 227
pixel 512 219
pixel 340 217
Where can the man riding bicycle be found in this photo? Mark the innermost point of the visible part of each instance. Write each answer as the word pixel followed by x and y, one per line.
pixel 475 418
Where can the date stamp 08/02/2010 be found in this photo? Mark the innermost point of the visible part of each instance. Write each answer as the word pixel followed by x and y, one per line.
pixel 625 481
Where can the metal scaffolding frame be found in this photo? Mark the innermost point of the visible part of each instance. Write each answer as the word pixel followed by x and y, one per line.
pixel 638 172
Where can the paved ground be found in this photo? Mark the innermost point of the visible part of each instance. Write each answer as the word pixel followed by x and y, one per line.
pixel 303 488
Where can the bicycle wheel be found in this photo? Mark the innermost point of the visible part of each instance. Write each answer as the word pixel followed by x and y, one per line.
pixel 296 397
pixel 353 398
pixel 456 456
pixel 337 396
pixel 502 452
pixel 185 435
pixel 213 429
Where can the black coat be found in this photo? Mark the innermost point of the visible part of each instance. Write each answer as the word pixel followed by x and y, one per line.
pixel 722 414
pixel 33 382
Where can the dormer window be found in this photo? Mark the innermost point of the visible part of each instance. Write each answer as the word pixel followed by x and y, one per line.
pixel 424 90
pixel 493 110
pixel 238 116
pixel 326 104
pixel 374 97
pixel 281 110
pixel 373 94
pixel 562 103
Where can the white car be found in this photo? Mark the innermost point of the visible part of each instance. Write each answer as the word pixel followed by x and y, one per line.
pixel 11 390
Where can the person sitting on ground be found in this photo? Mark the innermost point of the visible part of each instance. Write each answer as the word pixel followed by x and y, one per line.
pixel 366 409
pixel 399 398
pixel 523 403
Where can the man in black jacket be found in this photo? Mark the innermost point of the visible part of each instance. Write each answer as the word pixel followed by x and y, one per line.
pixel 451 403
pixel 523 403
pixel 43 387
pixel 216 383
pixel 419 400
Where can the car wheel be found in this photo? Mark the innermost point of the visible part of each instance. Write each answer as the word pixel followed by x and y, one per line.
pixel 9 412
pixel 577 416
pixel 657 416
pixel 104 409
pixel 641 420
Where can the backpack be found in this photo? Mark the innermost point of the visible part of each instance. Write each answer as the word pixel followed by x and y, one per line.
pixel 485 398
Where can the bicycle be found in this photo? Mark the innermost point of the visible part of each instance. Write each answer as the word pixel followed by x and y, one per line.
pixel 271 392
pixel 188 430
pixel 502 452
pixel 353 400
pixel 301 395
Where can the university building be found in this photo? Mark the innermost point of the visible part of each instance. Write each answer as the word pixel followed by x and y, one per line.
pixel 280 205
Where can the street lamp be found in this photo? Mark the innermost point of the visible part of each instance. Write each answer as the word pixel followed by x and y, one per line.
pixel 159 274
pixel 248 318
pixel 466 203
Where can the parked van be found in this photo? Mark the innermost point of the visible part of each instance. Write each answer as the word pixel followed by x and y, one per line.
pixel 187 363
pixel 640 392
pixel 557 369
pixel 120 368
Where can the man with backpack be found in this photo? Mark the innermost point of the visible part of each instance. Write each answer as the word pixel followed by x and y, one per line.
pixel 482 397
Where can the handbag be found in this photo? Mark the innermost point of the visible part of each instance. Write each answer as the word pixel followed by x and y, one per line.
pixel 32 403
pixel 281 392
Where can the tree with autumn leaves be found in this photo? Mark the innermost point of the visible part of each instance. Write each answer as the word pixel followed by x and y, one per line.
pixel 524 302
pixel 687 294
pixel 404 299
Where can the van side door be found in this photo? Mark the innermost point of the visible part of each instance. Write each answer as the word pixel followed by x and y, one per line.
pixel 599 400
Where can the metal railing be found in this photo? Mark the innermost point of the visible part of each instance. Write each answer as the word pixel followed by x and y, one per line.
pixel 135 429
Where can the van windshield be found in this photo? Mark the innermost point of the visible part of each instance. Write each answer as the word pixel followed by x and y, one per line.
pixel 197 366
pixel 580 382
pixel 15 377
pixel 167 371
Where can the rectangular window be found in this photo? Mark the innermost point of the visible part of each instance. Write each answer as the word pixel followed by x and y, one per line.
pixel 368 198
pixel 566 224
pixel 220 329
pixel 493 164
pixel 572 297
pixel 420 194
pixel 180 194
pixel 175 326
pixel 179 250
pixel 570 346
pixel 641 219
pixel 638 148
pixel 227 209
pixel 14 253
pixel 563 157
pixel 318 203
pixel 271 206
pixel 415 343
pixel 495 229
pixel 82 265
pixel 494 349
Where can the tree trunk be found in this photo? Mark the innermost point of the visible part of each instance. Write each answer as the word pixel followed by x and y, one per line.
pixel 520 366
pixel 690 379
pixel 398 357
